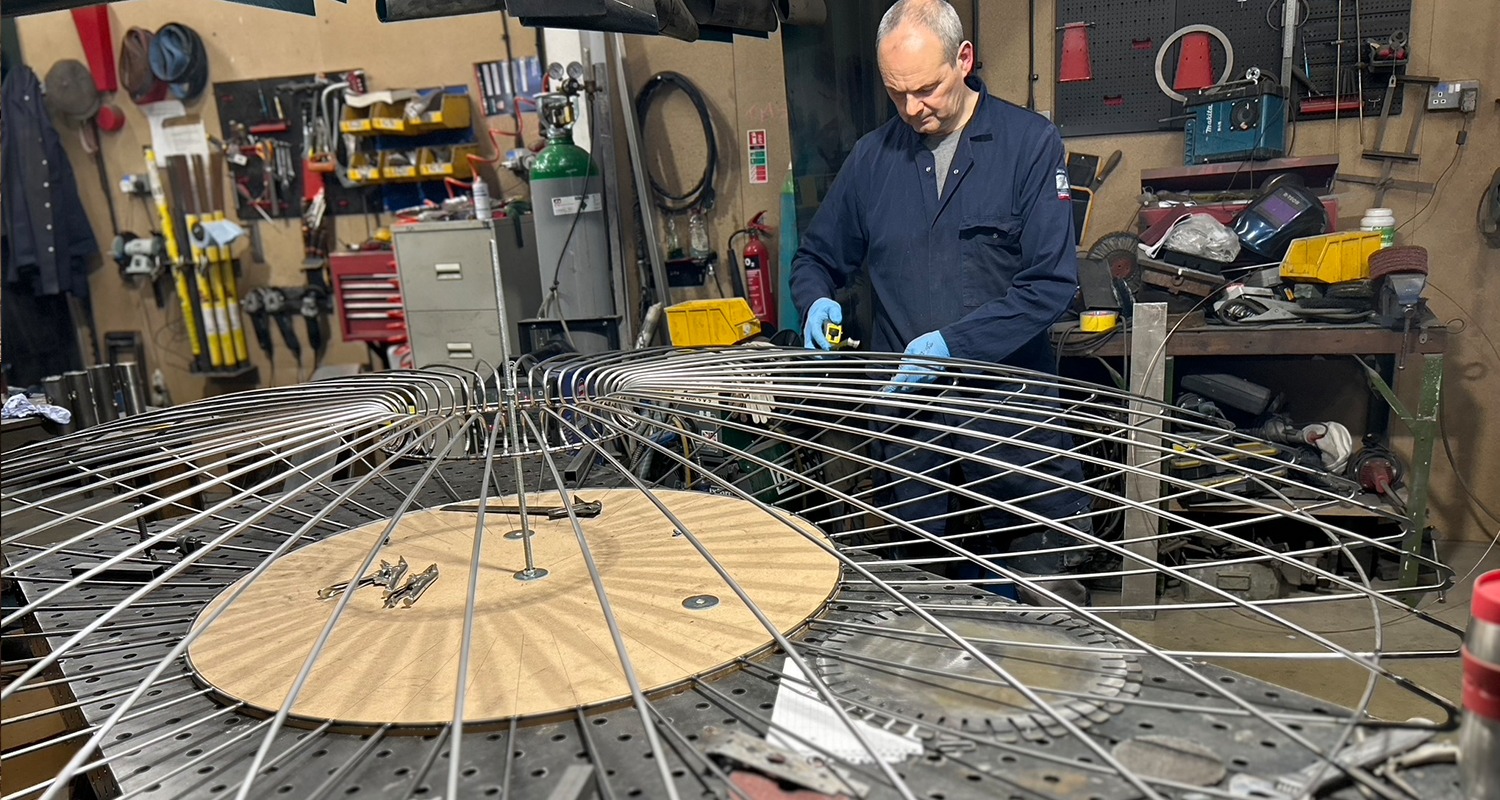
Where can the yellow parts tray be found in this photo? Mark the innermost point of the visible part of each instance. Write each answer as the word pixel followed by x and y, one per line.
pixel 362 169
pixel 448 111
pixel 1331 258
pixel 711 323
pixel 398 166
pixel 355 120
pixel 447 162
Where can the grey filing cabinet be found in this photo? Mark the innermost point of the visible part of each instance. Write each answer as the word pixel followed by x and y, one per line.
pixel 448 288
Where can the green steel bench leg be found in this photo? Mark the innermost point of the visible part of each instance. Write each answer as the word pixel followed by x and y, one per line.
pixel 1424 432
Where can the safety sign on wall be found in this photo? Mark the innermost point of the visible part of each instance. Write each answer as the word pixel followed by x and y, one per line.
pixel 759 171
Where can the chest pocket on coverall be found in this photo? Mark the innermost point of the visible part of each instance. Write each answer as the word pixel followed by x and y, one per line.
pixel 990 245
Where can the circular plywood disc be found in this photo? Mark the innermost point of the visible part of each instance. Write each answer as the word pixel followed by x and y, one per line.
pixel 539 646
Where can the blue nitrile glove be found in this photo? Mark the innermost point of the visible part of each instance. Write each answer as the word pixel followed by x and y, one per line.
pixel 928 345
pixel 823 311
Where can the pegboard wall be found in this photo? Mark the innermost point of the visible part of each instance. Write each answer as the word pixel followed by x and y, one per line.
pixel 255 102
pixel 1125 35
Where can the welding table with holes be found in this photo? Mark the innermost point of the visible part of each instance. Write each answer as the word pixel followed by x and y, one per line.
pixel 190 745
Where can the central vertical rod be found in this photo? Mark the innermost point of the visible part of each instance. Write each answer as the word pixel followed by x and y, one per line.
pixel 509 398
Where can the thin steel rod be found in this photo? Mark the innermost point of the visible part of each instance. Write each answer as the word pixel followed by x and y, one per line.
pixel 80 703
pixel 606 792
pixel 343 603
pixel 466 638
pixel 343 769
pixel 687 746
pixel 433 753
pixel 1441 702
pixel 827 694
pixel 71 735
pixel 207 622
pixel 1110 546
pixel 147 588
pixel 621 652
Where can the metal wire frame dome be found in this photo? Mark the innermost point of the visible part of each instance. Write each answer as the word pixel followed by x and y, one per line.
pixel 167 571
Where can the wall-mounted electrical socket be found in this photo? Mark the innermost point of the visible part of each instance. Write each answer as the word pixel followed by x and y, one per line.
pixel 1453 96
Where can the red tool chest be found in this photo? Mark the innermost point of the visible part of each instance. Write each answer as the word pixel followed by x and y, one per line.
pixel 367 292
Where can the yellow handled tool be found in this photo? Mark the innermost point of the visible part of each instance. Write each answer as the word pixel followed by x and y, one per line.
pixel 205 292
pixel 232 300
pixel 834 333
pixel 174 253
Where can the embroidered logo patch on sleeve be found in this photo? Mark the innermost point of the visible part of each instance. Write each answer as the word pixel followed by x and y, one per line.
pixel 1064 190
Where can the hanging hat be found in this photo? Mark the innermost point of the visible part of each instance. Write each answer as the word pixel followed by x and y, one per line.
pixel 135 72
pixel 178 57
pixel 71 92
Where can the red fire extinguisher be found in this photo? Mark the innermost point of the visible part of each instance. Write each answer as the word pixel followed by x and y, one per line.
pixel 757 262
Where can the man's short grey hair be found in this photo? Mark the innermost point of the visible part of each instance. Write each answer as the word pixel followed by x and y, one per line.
pixel 934 15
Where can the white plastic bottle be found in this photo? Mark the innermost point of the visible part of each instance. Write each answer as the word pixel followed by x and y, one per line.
pixel 1383 220
pixel 481 199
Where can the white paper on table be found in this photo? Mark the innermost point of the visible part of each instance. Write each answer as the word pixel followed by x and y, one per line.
pixel 799 709
pixel 182 138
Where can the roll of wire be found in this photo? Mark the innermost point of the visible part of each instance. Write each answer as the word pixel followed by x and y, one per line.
pixel 702 193
pixel 178 58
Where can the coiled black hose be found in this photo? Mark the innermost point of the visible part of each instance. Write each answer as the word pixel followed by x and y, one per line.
pixel 702 193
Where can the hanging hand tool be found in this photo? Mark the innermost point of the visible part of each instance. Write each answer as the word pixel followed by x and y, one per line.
pixel 174 253
pixel 275 304
pixel 311 309
pixel 206 307
pixel 1104 172
pixel 255 306
pixel 582 508
pixel 286 171
pixel 266 150
pixel 225 258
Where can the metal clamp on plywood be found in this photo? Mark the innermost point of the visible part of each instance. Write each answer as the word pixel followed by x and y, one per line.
pixel 412 590
pixel 387 575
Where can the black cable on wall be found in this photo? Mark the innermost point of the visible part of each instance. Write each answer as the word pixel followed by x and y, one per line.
pixel 701 195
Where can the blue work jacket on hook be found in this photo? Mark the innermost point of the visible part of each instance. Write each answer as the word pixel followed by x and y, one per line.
pixel 990 264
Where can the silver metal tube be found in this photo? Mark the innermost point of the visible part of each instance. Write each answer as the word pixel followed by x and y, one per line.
pixel 102 383
pixel 132 388
pixel 81 399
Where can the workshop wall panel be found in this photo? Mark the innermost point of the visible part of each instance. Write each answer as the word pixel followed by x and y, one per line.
pixel 1125 36
pixel 1448 39
pixel 245 43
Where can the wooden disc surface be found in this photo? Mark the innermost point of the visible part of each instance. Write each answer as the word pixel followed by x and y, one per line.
pixel 540 646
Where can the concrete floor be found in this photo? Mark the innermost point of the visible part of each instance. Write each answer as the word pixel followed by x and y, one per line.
pixel 1347 623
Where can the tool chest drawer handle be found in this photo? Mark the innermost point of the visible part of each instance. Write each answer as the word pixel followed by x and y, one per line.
pixel 460 350
pixel 448 272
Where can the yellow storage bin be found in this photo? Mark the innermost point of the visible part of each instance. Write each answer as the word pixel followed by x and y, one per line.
pixel 388 117
pixel 399 166
pixel 447 112
pixel 355 120
pixel 447 162
pixel 711 323
pixel 1331 258
pixel 362 169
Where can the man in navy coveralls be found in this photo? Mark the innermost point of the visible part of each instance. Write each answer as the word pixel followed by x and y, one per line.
pixel 960 210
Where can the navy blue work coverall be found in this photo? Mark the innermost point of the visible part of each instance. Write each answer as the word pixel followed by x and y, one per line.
pixel 991 264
